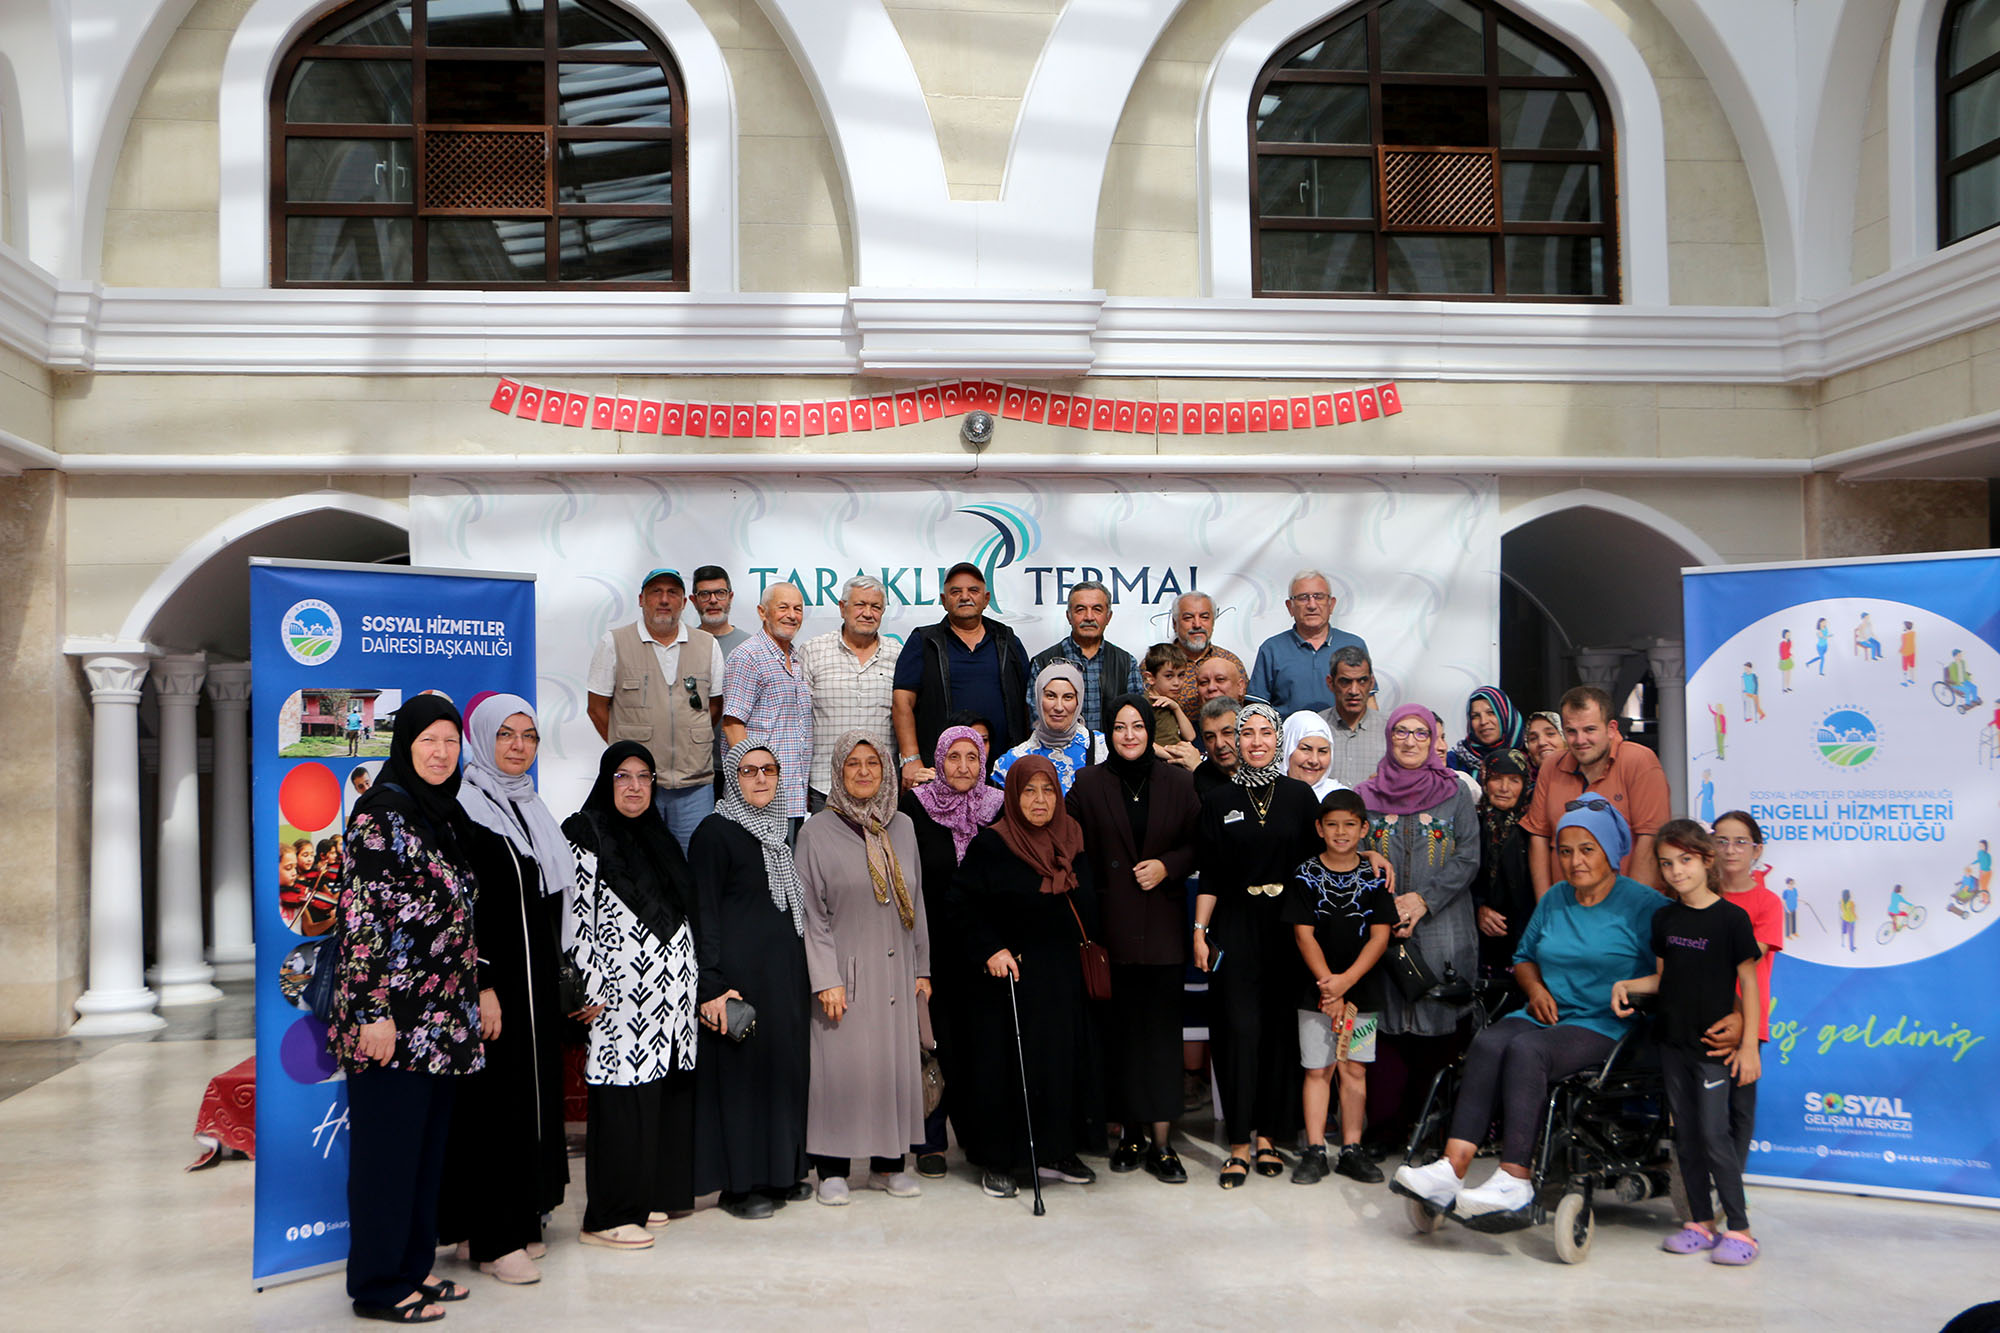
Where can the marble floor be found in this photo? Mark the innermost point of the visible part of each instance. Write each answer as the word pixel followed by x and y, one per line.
pixel 102 1228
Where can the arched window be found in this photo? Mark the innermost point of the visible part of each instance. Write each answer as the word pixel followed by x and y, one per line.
pixel 478 143
pixel 1968 118
pixel 1432 148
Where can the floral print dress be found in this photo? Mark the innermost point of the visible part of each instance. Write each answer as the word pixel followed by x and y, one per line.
pixel 407 950
pixel 1435 853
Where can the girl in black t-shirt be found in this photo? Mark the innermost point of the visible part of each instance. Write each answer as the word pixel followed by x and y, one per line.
pixel 1707 966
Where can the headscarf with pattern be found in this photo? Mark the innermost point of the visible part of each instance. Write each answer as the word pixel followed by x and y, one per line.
pixel 1470 755
pixel 511 807
pixel 1246 776
pixel 768 826
pixel 960 813
pixel 871 819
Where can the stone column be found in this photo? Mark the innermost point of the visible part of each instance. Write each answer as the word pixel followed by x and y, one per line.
pixel 233 953
pixel 117 999
pixel 1599 667
pixel 183 974
pixel 1668 658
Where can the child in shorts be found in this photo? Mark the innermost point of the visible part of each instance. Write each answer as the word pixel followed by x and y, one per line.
pixel 1164 669
pixel 1340 912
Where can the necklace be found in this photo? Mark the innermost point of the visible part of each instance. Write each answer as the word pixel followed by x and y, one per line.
pixel 1260 800
pixel 1131 790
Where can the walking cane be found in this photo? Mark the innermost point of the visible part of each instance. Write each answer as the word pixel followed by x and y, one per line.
pixel 1027 1113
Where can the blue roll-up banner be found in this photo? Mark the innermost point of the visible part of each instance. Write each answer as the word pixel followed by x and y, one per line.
pixel 335 650
pixel 1850 707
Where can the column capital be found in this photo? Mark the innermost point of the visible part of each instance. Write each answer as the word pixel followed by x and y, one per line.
pixel 1668 658
pixel 1599 666
pixel 178 676
pixel 116 677
pixel 228 685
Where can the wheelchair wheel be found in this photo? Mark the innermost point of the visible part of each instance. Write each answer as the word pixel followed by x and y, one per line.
pixel 1576 1227
pixel 1424 1219
pixel 1981 901
pixel 1944 694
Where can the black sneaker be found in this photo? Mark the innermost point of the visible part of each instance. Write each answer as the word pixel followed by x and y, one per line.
pixel 1126 1156
pixel 932 1166
pixel 1069 1170
pixel 998 1184
pixel 1355 1164
pixel 748 1207
pixel 1312 1167
pixel 1165 1167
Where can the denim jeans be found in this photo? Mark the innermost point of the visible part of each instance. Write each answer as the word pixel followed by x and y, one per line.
pixel 683 808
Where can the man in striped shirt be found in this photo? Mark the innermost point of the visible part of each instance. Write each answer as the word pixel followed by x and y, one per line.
pixel 850 674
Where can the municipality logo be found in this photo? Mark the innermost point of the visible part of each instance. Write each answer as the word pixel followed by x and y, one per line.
pixel 1847 737
pixel 1014 538
pixel 311 632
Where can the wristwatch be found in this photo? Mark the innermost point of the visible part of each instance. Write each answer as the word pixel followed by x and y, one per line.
pixel 907 760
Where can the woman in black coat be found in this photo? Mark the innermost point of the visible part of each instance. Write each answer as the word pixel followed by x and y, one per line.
pixel 750 1095
pixel 1504 892
pixel 1019 903
pixel 1139 815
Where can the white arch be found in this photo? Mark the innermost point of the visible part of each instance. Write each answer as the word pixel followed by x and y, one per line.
pixel 1223 148
pixel 1913 130
pixel 271 26
pixel 114 45
pixel 1831 119
pixel 1645 515
pixel 234 529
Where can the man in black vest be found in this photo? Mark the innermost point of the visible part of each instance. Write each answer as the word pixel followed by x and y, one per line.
pixel 1108 670
pixel 965 661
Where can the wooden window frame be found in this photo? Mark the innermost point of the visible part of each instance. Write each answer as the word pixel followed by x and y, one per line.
pixel 551 56
pixel 1604 157
pixel 1948 166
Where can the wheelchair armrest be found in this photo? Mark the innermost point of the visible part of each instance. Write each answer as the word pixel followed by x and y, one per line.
pixel 1620 1053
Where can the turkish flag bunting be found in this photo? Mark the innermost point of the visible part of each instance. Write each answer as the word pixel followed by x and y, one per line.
pixel 1058 409
pixel 907 411
pixel 577 411
pixel 1235 418
pixel 1035 408
pixel 860 413
pixel 743 419
pixel 1147 420
pixel 647 422
pixel 989 396
pixel 603 412
pixel 554 403
pixel 789 420
pixel 1281 414
pixel 812 418
pixel 1124 414
pixel 1392 399
pixel 836 417
pixel 1301 413
pixel 504 394
pixel 1214 418
pixel 697 419
pixel 626 417
pixel 882 410
pixel 767 420
pixel 1079 411
pixel 669 417
pixel 951 398
pixel 1103 414
pixel 1369 405
pixel 721 422
pixel 1256 415
pixel 530 402
pixel 1013 402
pixel 1322 405
pixel 930 403
pixel 1344 410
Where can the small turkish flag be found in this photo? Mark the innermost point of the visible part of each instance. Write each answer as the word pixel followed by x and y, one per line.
pixel 1013 402
pixel 907 411
pixel 1214 418
pixel 1257 415
pixel 1147 420
pixel 1344 410
pixel 989 396
pixel 697 419
pixel 1170 418
pixel 1322 405
pixel 860 414
pixel 504 394
pixel 1392 398
pixel 1124 414
pixel 743 420
pixel 1103 414
pixel 766 418
pixel 1369 405
pixel 648 421
pixel 1058 409
pixel 951 398
pixel 554 404
pixel 836 417
pixel 812 418
pixel 1281 414
pixel 719 425
pixel 531 402
pixel 1035 409
pixel 626 417
pixel 790 420
pixel 1235 418
pixel 1190 418
pixel 603 412
pixel 882 409
pixel 672 417
pixel 1302 413
pixel 577 410
pixel 930 403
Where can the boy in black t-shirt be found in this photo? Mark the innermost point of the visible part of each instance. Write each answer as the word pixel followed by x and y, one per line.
pixel 1707 953
pixel 1341 913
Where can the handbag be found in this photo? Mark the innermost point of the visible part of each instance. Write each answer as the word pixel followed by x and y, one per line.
pixel 933 1077
pixel 739 1018
pixel 1412 974
pixel 571 992
pixel 1096 961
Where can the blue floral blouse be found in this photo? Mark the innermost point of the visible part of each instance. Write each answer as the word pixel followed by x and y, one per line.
pixel 1085 748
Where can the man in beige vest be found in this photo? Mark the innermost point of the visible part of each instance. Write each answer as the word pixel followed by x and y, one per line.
pixel 660 683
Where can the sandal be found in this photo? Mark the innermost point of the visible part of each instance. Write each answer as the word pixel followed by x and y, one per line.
pixel 1275 1166
pixel 444 1289
pixel 1733 1252
pixel 410 1312
pixel 1230 1178
pixel 1690 1239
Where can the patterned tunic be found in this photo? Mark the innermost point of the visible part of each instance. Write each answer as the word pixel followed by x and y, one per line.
pixel 648 1028
pixel 1435 853
pixel 407 950
pixel 1088 747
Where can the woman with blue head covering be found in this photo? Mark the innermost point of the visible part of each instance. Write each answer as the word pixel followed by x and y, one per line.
pixel 1587 928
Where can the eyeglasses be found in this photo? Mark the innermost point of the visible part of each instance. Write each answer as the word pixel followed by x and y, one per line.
pixel 1409 734
pixel 1312 598
pixel 749 771
pixel 712 595
pixel 1597 803
pixel 1738 843
pixel 632 779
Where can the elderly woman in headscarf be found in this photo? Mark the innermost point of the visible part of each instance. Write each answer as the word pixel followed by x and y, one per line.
pixel 1062 735
pixel 1503 894
pixel 1022 903
pixel 1427 826
pixel 1492 726
pixel 945 814
pixel 406 1022
pixel 1251 835
pixel 507 1164
pixel 750 1098
pixel 1588 929
pixel 1308 749
pixel 633 920
pixel 1542 739
pixel 1138 815
pixel 868 954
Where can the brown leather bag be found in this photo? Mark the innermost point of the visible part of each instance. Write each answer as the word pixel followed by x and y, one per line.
pixel 1096 961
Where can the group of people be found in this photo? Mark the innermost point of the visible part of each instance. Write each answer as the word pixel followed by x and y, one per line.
pixel 789 941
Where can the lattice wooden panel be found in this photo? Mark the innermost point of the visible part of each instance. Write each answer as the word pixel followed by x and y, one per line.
pixel 1432 190
pixel 489 171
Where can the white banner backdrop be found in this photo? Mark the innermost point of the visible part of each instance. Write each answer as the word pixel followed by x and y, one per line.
pixel 1414 562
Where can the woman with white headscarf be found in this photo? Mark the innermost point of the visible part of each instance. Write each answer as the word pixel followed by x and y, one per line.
pixel 1308 750
pixel 506 1164
pixel 1061 734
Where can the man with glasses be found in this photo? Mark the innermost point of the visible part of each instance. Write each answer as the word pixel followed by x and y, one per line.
pixel 1598 764
pixel 1293 666
pixel 659 682
pixel 712 597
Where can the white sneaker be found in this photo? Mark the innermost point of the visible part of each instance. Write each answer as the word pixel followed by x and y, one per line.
pixel 833 1193
pixel 1502 1193
pixel 1437 1184
pixel 898 1185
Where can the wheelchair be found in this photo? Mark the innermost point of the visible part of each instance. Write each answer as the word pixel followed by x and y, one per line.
pixel 1604 1131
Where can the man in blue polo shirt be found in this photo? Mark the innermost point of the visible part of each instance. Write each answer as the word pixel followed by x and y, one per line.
pixel 1292 667
pixel 965 661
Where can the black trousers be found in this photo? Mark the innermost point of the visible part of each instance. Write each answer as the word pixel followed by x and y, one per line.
pixel 829 1167
pixel 1743 1116
pixel 1510 1068
pixel 1698 1094
pixel 398 1124
pixel 1254 1038
pixel 1143 1052
pixel 639 1157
